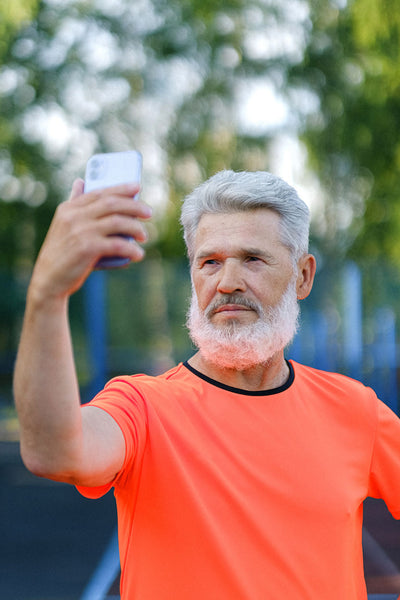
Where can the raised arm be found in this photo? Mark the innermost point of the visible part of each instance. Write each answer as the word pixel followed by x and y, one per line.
pixel 59 440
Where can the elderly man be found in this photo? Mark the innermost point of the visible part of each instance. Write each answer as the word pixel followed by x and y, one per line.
pixel 238 474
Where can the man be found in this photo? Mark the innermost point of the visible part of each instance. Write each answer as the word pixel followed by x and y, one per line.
pixel 237 475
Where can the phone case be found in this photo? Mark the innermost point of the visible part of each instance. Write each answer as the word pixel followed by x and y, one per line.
pixel 107 170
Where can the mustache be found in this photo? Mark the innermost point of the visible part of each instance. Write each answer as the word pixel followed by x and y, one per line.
pixel 233 299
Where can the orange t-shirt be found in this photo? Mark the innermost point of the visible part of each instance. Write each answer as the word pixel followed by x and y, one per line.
pixel 230 494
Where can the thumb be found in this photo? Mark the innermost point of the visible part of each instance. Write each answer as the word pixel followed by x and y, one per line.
pixel 77 189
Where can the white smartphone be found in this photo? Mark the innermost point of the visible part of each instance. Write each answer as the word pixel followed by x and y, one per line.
pixel 107 170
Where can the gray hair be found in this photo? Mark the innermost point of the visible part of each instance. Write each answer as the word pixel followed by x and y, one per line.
pixel 228 192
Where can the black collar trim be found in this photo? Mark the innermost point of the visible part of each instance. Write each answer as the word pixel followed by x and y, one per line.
pixel 277 390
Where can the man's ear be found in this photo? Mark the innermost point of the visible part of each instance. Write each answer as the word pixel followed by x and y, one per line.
pixel 306 272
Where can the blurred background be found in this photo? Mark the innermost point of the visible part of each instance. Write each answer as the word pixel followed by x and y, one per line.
pixel 308 89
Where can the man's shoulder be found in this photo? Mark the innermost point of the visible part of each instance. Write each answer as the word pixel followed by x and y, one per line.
pixel 327 381
pixel 174 377
pixel 338 396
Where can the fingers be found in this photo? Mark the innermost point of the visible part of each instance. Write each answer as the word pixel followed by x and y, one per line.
pixel 103 221
pixel 129 190
pixel 121 225
pixel 113 201
pixel 108 201
pixel 85 228
pixel 116 206
pixel 77 189
pixel 122 247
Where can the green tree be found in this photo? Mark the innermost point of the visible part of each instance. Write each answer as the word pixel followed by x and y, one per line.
pixel 13 15
pixel 89 75
pixel 351 67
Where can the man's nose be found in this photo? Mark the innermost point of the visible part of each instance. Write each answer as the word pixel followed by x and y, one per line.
pixel 231 278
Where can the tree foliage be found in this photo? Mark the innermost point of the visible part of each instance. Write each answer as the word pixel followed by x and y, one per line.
pixel 169 78
pixel 13 15
pixel 94 75
pixel 352 67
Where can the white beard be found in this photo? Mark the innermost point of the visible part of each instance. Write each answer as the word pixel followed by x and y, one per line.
pixel 237 346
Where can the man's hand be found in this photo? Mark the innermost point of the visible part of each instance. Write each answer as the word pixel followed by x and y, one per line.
pixel 83 230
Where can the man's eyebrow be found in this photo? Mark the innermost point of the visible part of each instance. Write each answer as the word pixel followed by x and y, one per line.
pixel 243 252
pixel 253 251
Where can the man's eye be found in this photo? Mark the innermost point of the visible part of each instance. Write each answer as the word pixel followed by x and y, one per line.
pixel 252 258
pixel 210 261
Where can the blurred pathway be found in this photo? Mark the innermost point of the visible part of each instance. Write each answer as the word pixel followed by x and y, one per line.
pixel 51 538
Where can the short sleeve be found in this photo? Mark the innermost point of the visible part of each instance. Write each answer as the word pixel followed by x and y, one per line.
pixel 385 464
pixel 122 400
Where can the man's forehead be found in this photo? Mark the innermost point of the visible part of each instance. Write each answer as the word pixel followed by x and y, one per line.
pixel 260 222
pixel 254 233
pixel 265 218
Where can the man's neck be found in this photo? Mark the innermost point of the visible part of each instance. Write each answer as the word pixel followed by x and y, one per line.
pixel 267 376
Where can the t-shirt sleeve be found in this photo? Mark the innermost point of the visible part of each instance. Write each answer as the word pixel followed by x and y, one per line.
pixel 385 464
pixel 123 402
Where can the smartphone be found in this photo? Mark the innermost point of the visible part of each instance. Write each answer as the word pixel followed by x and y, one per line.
pixel 107 170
